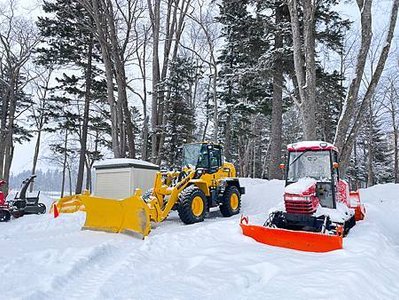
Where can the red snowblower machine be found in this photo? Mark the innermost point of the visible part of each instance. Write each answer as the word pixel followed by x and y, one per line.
pixel 5 214
pixel 319 209
pixel 22 204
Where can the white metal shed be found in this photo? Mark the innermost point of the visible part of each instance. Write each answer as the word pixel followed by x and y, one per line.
pixel 118 178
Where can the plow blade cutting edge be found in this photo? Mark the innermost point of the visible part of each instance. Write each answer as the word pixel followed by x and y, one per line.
pixel 130 215
pixel 298 240
pixel 68 204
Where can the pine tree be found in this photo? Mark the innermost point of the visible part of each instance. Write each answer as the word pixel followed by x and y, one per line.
pixel 72 45
pixel 244 89
pixel 180 123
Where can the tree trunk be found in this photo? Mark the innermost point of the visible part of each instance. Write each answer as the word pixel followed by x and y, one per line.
pixel 64 164
pixel 70 179
pixel 227 136
pixel 106 56
pixel 370 147
pixel 155 20
pixel 36 155
pixel 305 64
pixel 85 125
pixel 88 176
pixel 393 100
pixel 351 120
pixel 396 154
pixel 277 105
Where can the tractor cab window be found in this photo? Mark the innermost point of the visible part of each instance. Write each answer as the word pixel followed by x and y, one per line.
pixel 313 164
pixel 191 154
pixel 203 158
pixel 215 157
pixel 196 155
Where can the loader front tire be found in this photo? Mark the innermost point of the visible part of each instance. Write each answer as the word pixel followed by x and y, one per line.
pixel 231 201
pixel 192 205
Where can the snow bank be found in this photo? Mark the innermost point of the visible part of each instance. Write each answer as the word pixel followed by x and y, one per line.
pixel 300 186
pixel 46 258
pixel 339 215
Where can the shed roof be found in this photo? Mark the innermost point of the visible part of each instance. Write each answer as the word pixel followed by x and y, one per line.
pixel 114 163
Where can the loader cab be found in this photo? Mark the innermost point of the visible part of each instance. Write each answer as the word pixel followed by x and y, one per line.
pixel 206 156
pixel 318 162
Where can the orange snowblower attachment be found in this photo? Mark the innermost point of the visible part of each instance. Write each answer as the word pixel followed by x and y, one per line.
pixel 298 240
pixel 360 210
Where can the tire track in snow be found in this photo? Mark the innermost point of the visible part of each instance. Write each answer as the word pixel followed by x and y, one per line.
pixel 86 273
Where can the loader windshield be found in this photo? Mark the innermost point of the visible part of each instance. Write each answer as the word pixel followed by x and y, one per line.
pixel 195 155
pixel 313 164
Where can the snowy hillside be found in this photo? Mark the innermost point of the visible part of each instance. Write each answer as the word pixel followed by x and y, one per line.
pixel 46 258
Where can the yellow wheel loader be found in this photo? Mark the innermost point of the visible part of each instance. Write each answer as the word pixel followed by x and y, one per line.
pixel 204 181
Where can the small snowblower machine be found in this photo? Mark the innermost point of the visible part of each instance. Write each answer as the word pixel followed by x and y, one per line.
pixel 204 181
pixel 22 204
pixel 319 208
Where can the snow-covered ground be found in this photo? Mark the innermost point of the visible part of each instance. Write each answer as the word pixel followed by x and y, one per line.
pixel 46 258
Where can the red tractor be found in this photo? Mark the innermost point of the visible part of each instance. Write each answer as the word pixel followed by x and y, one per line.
pixel 319 208
pixel 5 214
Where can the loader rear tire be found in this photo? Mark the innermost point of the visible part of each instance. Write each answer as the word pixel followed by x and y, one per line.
pixel 231 201
pixel 192 205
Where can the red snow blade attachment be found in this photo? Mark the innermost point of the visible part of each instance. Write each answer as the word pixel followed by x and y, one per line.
pixel 298 240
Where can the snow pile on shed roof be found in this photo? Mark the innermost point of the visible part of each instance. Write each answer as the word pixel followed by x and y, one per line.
pixel 311 145
pixel 124 161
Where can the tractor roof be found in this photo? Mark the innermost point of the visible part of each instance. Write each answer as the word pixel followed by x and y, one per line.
pixel 310 145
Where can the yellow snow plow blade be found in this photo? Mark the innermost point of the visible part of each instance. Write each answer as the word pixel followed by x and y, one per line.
pixel 130 215
pixel 68 204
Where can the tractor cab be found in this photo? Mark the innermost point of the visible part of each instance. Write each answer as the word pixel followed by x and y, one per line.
pixel 207 156
pixel 312 168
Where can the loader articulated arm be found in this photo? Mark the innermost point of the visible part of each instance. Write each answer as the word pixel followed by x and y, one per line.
pixel 159 207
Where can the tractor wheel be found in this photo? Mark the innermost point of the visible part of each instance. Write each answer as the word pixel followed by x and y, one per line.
pixel 192 205
pixel 5 216
pixel 18 213
pixel 42 208
pixel 231 201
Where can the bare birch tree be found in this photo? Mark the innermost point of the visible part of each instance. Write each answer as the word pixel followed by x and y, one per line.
pixel 172 14
pixel 354 107
pixel 304 43
pixel 18 39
